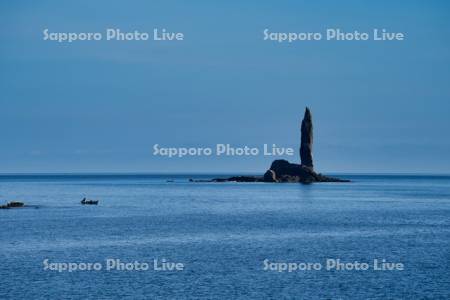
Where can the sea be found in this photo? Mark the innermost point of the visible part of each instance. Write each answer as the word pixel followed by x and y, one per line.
pixel 164 237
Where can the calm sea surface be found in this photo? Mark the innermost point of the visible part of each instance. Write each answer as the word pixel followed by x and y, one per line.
pixel 223 233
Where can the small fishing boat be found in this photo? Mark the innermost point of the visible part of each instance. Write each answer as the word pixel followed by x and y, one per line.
pixel 89 202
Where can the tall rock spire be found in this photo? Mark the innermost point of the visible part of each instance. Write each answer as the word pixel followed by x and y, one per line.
pixel 283 171
pixel 307 140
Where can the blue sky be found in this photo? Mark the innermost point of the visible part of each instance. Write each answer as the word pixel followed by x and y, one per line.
pixel 101 106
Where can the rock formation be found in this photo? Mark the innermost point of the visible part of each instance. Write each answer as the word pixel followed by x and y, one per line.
pixel 306 141
pixel 12 204
pixel 283 171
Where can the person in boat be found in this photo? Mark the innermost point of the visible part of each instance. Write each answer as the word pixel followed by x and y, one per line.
pixel 86 201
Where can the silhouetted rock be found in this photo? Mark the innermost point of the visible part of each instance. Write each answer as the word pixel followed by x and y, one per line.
pixel 307 141
pixel 283 171
pixel 286 172
pixel 12 204
pixel 270 176
pixel 239 179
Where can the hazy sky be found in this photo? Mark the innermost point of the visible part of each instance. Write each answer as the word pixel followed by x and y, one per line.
pixel 100 106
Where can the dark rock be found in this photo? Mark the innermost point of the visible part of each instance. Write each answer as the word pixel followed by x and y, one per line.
pixel 283 171
pixel 12 204
pixel 206 180
pixel 220 180
pixel 270 176
pixel 307 140
pixel 283 167
pixel 295 179
pixel 239 179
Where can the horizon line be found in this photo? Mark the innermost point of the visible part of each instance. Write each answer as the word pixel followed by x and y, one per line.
pixel 240 173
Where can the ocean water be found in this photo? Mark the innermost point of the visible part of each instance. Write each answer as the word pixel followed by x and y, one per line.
pixel 222 233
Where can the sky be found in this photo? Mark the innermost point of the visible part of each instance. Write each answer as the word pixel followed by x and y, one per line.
pixel 101 106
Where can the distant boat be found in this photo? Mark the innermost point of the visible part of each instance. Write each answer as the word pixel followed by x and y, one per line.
pixel 89 202
pixel 12 204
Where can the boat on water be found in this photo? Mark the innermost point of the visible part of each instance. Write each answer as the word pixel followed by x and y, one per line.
pixel 89 202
